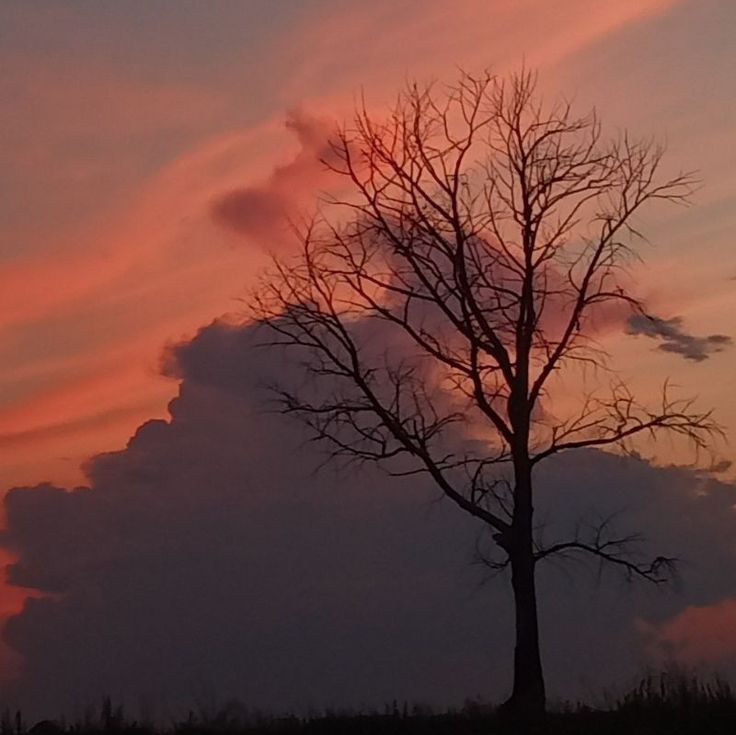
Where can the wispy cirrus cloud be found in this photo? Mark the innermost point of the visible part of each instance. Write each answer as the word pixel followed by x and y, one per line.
pixel 152 234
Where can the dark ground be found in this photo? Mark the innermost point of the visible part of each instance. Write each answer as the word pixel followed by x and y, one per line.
pixel 663 704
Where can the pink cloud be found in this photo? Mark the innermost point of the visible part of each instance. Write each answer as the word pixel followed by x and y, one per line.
pixel 698 635
pixel 251 211
pixel 262 211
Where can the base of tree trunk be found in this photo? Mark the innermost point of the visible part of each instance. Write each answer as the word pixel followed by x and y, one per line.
pixel 525 712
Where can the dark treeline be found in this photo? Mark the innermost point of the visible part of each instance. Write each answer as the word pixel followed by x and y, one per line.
pixel 671 704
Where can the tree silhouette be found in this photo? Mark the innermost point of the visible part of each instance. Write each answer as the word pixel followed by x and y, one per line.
pixel 484 231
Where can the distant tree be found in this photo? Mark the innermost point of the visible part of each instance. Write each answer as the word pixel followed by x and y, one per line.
pixel 484 230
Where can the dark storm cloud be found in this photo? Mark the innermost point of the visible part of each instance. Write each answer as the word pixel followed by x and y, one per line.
pixel 208 557
pixel 675 339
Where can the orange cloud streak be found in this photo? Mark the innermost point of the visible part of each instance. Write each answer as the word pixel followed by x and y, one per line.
pixel 164 253
pixel 376 45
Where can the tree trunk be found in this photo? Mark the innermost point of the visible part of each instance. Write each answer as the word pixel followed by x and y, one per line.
pixel 527 699
pixel 528 695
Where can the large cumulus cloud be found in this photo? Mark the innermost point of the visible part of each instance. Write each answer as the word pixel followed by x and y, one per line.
pixel 208 556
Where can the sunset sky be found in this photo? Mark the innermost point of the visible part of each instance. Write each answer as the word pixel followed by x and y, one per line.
pixel 125 123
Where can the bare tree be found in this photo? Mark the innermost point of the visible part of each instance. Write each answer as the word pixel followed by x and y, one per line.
pixel 483 233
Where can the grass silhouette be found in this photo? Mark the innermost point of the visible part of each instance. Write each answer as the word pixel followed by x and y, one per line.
pixel 667 703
